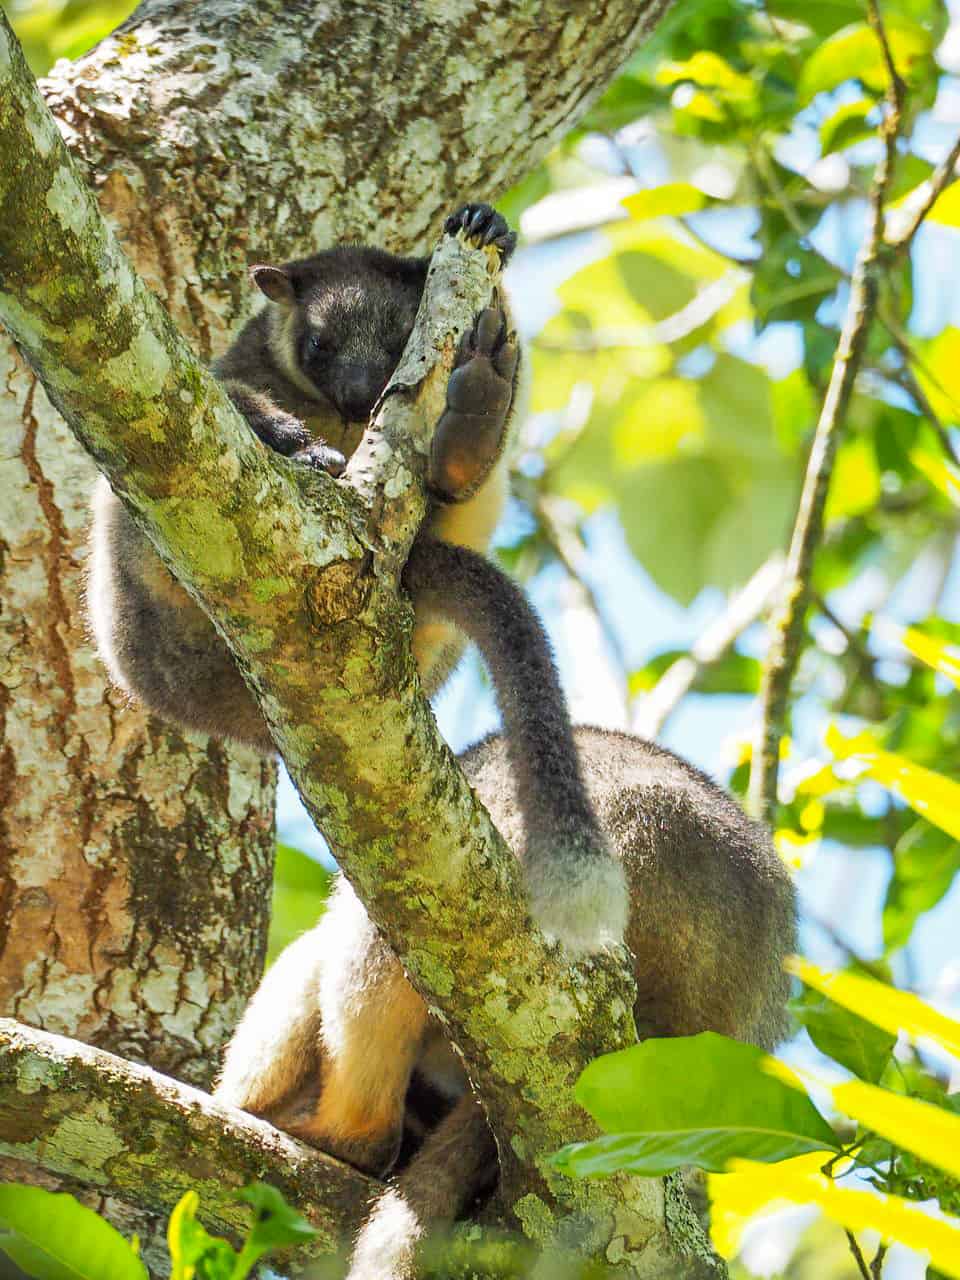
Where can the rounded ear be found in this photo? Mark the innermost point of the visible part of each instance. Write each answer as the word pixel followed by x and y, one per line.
pixel 274 282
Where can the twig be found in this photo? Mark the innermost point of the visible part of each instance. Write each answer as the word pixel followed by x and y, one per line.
pixel 858 1256
pixel 896 89
pixel 907 381
pixel 876 1266
pixel 937 183
pixel 787 638
pixel 564 541
pixel 656 707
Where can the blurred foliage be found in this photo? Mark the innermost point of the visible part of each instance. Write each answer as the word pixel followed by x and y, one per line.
pixel 52 29
pixel 300 888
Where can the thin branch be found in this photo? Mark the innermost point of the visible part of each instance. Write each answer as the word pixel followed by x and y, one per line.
pixel 858 1256
pixel 656 707
pixel 937 183
pixel 787 637
pixel 876 1266
pixel 565 542
pixel 77 1111
pixel 907 381
pixel 896 89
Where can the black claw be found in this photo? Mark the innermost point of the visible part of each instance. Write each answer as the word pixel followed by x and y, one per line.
pixel 482 223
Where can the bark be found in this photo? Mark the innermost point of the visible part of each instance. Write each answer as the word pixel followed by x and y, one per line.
pixel 303 584
pixel 103 1122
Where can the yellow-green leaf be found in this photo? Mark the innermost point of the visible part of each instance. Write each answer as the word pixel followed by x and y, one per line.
pixel 709 70
pixel 854 53
pixel 946 207
pixel 847 125
pixel 932 795
pixel 943 657
pixel 942 474
pixel 674 198
pixel 884 1006
pixel 928 1131
pixel 894 1218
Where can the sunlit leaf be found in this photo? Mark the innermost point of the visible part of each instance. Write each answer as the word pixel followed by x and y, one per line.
pixel 938 372
pixel 655 1122
pixel 855 484
pixel 709 70
pixel 847 125
pixel 929 1132
pixel 895 1011
pixel 932 795
pixel 942 474
pixel 52 1237
pixel 926 860
pixel 936 653
pixel 737 1198
pixel 854 52
pixel 946 207
pixel 849 1039
pixel 894 1218
pixel 194 1253
pixel 674 198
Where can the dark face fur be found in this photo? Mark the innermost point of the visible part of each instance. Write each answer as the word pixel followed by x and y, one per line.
pixel 352 310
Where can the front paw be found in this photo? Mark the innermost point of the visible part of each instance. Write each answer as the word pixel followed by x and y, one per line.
pixel 483 225
pixel 322 457
pixel 279 431
pixel 470 435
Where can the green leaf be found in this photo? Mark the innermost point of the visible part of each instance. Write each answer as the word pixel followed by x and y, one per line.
pixel 850 1040
pixel 300 889
pixel 884 1006
pixel 847 125
pixel 195 1254
pixel 732 673
pixel 275 1225
pixel 855 53
pixel 933 795
pixel 667 1103
pixel 52 1237
pixel 674 198
pixel 926 862
pixel 822 16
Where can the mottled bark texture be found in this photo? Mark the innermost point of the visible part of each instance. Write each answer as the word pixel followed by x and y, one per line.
pixel 123 1129
pixel 300 575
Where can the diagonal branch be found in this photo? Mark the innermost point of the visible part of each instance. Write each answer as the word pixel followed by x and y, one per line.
pixel 788 627
pixel 655 708
pixel 134 1133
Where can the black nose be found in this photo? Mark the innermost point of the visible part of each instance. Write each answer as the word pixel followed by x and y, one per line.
pixel 357 391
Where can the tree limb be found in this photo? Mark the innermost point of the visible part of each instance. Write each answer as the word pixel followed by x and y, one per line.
pixel 300 577
pixel 655 708
pixel 787 632
pixel 134 1133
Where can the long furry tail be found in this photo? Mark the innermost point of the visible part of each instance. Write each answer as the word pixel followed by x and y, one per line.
pixel 577 887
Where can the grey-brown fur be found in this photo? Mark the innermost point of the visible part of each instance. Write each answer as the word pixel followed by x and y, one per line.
pixel 711 918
